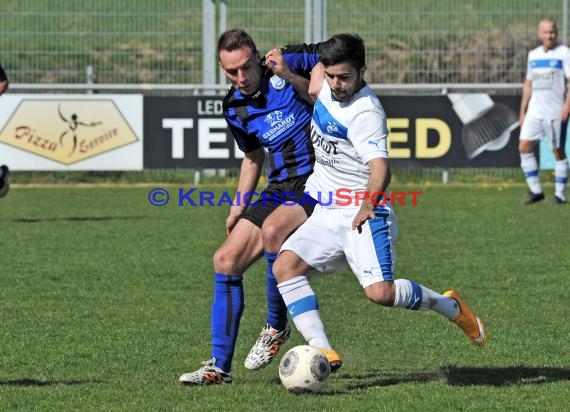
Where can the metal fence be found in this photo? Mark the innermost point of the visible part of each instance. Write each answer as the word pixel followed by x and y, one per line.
pixel 124 41
pixel 161 42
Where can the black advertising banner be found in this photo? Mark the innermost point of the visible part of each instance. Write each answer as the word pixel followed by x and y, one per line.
pixel 457 130
pixel 428 132
pixel 187 132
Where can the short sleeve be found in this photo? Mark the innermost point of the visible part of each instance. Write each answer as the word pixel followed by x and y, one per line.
pixel 369 134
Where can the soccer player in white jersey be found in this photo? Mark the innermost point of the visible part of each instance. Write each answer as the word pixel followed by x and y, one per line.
pixel 544 111
pixel 349 137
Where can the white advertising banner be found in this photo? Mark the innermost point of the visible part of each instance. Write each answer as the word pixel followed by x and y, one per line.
pixel 71 132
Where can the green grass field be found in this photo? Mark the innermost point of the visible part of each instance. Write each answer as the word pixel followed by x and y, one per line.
pixel 105 301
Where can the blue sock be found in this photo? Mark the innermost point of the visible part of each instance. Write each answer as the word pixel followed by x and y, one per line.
pixel 227 308
pixel 276 309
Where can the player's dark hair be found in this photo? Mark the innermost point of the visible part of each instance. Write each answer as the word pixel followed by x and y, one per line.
pixel 234 39
pixel 343 48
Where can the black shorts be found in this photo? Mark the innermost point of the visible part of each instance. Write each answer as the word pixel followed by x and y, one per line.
pixel 290 191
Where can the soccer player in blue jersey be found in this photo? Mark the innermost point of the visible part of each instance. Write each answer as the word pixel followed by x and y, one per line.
pixel 268 111
pixel 349 117
pixel 544 111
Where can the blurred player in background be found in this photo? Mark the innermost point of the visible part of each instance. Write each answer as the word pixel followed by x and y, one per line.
pixel 4 185
pixel 544 111
pixel 3 81
pixel 268 111
pixel 349 117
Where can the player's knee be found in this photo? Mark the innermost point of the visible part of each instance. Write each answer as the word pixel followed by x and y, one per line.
pixel 283 270
pixel 559 154
pixel 224 262
pixel 278 271
pixel 272 237
pixel 381 293
pixel 526 146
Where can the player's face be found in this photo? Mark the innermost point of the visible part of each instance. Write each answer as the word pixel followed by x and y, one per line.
pixel 344 80
pixel 547 34
pixel 242 69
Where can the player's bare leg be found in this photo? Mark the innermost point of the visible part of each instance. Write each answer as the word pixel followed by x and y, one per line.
pixel 295 288
pixel 529 166
pixel 280 224
pixel 560 176
pixel 407 294
pixel 276 228
pixel 240 250
pixel 242 247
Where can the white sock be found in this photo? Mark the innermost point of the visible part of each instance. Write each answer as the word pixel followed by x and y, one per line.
pixel 560 178
pixel 412 295
pixel 529 166
pixel 303 306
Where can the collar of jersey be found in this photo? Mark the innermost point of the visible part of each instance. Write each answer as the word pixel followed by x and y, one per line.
pixel 259 95
pixel 549 50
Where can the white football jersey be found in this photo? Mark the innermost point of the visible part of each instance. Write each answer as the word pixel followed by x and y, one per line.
pixel 346 135
pixel 548 71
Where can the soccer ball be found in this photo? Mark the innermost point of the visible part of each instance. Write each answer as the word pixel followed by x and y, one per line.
pixel 304 369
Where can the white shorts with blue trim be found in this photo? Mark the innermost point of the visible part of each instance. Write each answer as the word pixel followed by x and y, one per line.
pixel 553 129
pixel 327 243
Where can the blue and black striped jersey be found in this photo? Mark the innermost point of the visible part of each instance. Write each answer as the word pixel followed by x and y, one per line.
pixel 277 118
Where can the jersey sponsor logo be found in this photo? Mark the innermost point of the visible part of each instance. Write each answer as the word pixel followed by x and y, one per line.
pixel 545 77
pixel 326 145
pixel 544 80
pixel 325 149
pixel 277 82
pixel 327 161
pixel 278 125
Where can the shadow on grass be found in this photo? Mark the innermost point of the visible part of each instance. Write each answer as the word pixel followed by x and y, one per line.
pixel 39 382
pixel 460 376
pixel 75 219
